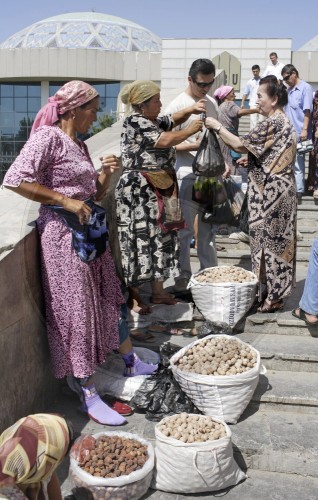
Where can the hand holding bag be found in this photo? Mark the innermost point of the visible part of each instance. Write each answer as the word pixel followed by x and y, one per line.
pixel 209 160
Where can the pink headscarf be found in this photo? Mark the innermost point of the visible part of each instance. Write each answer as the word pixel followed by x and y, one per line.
pixel 222 92
pixel 72 95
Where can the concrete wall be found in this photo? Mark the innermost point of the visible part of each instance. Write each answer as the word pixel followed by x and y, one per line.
pixel 178 54
pixel 307 66
pixel 27 385
pixel 81 64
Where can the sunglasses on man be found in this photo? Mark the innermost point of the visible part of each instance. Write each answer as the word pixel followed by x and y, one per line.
pixel 202 85
pixel 287 77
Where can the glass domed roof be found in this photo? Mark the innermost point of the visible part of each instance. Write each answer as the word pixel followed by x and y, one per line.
pixel 85 30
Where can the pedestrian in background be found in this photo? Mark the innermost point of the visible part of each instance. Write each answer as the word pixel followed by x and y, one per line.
pixel 298 109
pixel 251 93
pixel 274 68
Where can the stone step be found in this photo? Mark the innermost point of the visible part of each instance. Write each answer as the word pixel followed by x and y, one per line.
pixel 284 352
pixel 242 257
pixel 259 485
pixel 308 200
pixel 280 323
pixel 230 244
pixel 275 441
pixel 288 390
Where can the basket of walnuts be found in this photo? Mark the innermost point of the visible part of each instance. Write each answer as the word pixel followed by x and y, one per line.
pixel 110 465
pixel 223 293
pixel 219 373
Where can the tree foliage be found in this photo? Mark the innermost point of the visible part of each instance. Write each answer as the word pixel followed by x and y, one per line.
pixel 103 121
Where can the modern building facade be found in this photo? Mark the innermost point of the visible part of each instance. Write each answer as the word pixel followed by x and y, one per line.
pixel 108 52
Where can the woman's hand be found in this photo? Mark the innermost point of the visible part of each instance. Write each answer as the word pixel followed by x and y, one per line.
pixel 110 164
pixel 212 123
pixel 195 126
pixel 79 208
pixel 242 162
pixel 227 171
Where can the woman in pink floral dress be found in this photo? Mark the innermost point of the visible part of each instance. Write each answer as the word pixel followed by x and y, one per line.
pixel 82 299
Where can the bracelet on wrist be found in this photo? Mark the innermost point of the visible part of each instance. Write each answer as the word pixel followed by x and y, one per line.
pixel 217 130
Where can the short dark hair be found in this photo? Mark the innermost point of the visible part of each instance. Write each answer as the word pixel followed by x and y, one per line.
pixel 204 66
pixel 275 88
pixel 273 54
pixel 289 68
pixel 256 66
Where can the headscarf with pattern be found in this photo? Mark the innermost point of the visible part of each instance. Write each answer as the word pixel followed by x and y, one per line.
pixel 30 451
pixel 72 95
pixel 138 92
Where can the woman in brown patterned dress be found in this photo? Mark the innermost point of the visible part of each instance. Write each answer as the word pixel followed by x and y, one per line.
pixel 148 215
pixel 271 148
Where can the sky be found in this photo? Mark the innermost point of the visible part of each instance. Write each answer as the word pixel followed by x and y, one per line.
pixel 181 18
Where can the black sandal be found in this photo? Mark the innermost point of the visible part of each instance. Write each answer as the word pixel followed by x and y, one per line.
pixel 302 316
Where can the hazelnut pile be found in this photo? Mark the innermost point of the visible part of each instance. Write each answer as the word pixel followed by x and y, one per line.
pixel 225 274
pixel 218 356
pixel 192 428
pixel 114 456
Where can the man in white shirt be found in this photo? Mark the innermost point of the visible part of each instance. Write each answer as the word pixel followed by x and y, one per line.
pixel 201 77
pixel 274 68
pixel 251 92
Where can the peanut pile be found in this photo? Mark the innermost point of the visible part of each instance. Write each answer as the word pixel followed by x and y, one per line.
pixel 218 356
pixel 225 274
pixel 192 428
pixel 114 456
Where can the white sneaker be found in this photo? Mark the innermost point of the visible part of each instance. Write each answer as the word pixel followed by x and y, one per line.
pixel 240 236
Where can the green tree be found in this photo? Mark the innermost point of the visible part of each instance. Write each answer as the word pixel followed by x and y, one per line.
pixel 103 121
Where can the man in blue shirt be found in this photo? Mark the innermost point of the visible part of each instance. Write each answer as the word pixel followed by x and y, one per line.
pixel 298 110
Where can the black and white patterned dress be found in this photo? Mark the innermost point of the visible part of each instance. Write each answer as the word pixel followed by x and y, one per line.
pixel 147 252
pixel 272 204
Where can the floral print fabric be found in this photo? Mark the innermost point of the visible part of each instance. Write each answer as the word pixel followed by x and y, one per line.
pixel 147 252
pixel 82 299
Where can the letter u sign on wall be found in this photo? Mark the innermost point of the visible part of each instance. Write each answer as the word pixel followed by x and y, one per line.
pixel 232 68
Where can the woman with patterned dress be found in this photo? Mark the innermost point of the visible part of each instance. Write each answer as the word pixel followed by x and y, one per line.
pixel 271 148
pixel 82 298
pixel 148 211
pixel 312 181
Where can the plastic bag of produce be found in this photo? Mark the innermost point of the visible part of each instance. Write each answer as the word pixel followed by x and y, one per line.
pixel 223 293
pixel 219 373
pixel 194 454
pixel 124 486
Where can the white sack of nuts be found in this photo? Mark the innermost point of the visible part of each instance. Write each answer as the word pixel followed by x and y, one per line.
pixel 194 454
pixel 112 465
pixel 223 293
pixel 219 373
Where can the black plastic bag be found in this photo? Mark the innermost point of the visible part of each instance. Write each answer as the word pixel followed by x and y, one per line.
pixel 213 327
pixel 167 350
pixel 209 160
pixel 160 395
